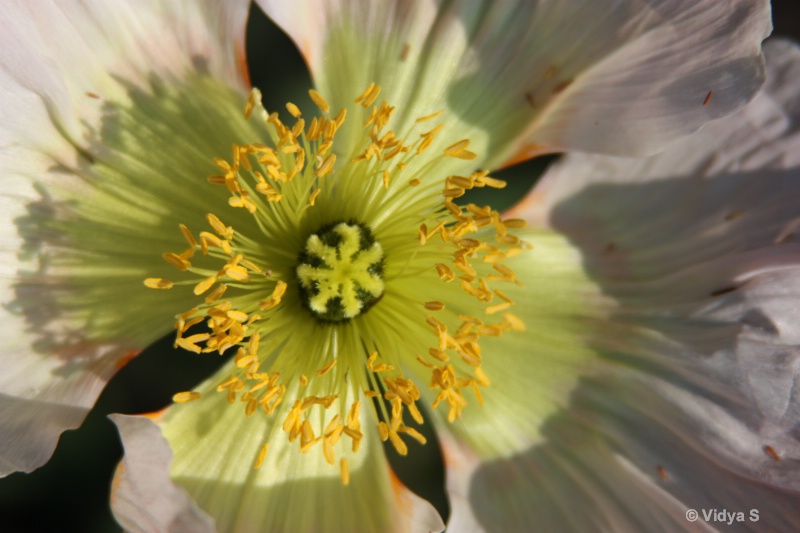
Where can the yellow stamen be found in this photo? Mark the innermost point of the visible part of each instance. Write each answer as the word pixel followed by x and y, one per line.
pixel 344 470
pixel 365 94
pixel 326 167
pixel 253 101
pixel 293 110
pixel 516 223
pixel 383 431
pixel 515 323
pixel 280 289
pixel 414 434
pixel 216 294
pixel 188 346
pixel 371 96
pixel 239 273
pixel 261 456
pixel 183 397
pixel 497 308
pixel 158 283
pixel 398 443
pixel 319 101
pixel 313 197
pixel 177 261
pixel 187 235
pixel 459 150
pixel 327 368
pixel 216 224
pixel 431 116
pixel 491 182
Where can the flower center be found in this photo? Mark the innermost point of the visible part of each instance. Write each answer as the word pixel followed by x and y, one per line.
pixel 340 272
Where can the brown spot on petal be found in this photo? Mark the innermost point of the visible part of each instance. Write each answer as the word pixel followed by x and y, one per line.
pixel 93 95
pixel 734 214
pixel 399 489
pixel 126 358
pixel 788 231
pixel 305 50
pixel 708 97
pixel 561 86
pixel 117 480
pixel 78 349
pixel 531 99
pixel 85 154
pixel 155 416
pixel 404 53
pixel 720 292
pixel 241 62
pixel 525 152
pixel 662 473
pixel 769 450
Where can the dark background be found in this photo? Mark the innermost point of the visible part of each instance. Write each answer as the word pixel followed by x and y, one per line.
pixel 71 492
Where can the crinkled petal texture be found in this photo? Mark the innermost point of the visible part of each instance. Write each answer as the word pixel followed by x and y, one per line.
pixel 143 496
pixel 216 449
pixel 101 119
pixel 528 77
pixel 692 399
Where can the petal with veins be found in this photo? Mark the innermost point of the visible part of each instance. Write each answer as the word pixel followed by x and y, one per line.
pixel 143 497
pixel 525 78
pixel 692 394
pixel 86 89
pixel 70 53
pixel 215 449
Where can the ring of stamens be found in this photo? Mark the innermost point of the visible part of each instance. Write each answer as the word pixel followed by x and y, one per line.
pixel 339 275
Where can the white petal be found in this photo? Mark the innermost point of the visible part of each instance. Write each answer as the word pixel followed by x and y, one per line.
pixel 694 62
pixel 760 139
pixel 702 218
pixel 653 428
pixel 702 441
pixel 521 78
pixel 588 488
pixel 70 53
pixel 215 448
pixel 47 388
pixel 608 466
pixel 76 244
pixel 143 497
pixel 25 446
pixel 102 99
pixel 692 402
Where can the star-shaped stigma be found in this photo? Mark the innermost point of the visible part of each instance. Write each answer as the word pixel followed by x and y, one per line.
pixel 340 271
